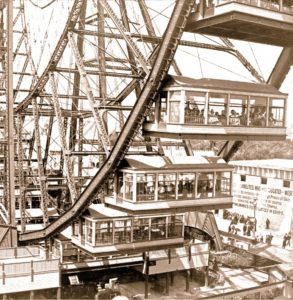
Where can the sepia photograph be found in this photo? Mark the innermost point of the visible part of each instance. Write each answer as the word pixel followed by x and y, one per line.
pixel 146 149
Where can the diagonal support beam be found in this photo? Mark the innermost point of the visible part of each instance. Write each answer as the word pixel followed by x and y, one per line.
pixel 65 151
pixel 93 104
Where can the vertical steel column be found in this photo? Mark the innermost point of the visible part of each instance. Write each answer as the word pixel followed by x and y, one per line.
pixel 41 174
pixel 20 174
pixel 75 101
pixel 10 122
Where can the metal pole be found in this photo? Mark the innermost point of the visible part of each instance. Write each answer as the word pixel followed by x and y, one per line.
pixel 10 123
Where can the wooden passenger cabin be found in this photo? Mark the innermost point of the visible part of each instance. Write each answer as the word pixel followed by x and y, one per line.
pixel 217 109
pixel 260 21
pixel 156 184
pixel 104 231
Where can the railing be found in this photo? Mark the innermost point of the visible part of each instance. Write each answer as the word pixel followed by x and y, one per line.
pixel 29 268
pixel 266 4
pixel 19 252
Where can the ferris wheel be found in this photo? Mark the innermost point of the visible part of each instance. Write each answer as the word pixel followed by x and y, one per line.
pixel 84 85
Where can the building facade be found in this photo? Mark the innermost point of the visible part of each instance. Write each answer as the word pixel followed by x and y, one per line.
pixel 264 189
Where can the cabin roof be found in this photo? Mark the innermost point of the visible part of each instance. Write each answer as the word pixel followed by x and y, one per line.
pixel 147 162
pixel 276 164
pixel 229 85
pixel 99 211
pixel 37 212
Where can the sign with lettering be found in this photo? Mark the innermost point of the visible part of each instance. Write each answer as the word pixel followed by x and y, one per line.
pixel 268 202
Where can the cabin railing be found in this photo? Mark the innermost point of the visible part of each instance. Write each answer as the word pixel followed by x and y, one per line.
pixel 281 6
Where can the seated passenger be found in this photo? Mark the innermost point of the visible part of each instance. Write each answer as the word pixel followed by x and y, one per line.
pixel 234 119
pixel 272 120
pixel 213 119
pixel 259 117
pixel 191 112
pixel 223 117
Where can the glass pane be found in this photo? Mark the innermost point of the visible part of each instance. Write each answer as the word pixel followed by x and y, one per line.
pixel 166 186
pixel 258 110
pixel 120 186
pixel 238 110
pixel 163 107
pixel 194 107
pixel 217 109
pixel 158 228
pixel 276 112
pixel 104 233
pixel 205 184
pixel 145 187
pixel 186 183
pixel 223 181
pixel 128 186
pixel 175 226
pixel 122 231
pixel 89 231
pixel 141 230
pixel 174 112
pixel 175 95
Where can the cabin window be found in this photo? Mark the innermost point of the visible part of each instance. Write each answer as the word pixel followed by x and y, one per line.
pixel 104 232
pixel 175 226
pixel 174 107
pixel 264 180
pixel 122 231
pixel 145 187
pixel 141 229
pixel 238 110
pixel 258 111
pixel 75 229
pixel 120 186
pixel 276 112
pixel 205 184
pixel 186 186
pixel 89 231
pixel 158 228
pixel 223 184
pixel 166 186
pixel 242 177
pixel 194 108
pixel 286 183
pixel 217 108
pixel 128 186
pixel 163 107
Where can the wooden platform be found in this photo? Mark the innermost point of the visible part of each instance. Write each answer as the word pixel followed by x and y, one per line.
pixel 184 131
pixel 245 22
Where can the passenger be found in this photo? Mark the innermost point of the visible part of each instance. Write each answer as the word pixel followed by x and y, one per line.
pixel 191 112
pixel 223 117
pixel 259 118
pixel 213 119
pixel 272 121
pixel 234 119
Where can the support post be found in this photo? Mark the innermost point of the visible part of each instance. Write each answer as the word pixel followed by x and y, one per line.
pixel 187 280
pixel 32 271
pixel 3 274
pixel 167 283
pixel 146 286
pixel 172 278
pixel 10 124
pixel 206 276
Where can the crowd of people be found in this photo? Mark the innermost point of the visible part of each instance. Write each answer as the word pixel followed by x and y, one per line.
pixel 249 227
pixel 286 240
pixel 257 116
